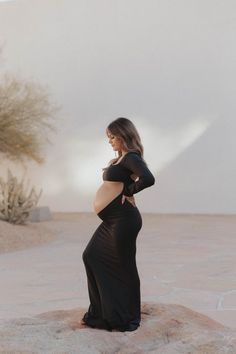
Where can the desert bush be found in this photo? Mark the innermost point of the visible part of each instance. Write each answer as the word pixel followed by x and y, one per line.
pixel 15 204
pixel 26 118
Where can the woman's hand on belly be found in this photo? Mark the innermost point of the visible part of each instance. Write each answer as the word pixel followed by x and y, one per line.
pixel 130 199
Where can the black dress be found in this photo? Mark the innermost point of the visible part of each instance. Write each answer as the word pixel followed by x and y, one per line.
pixel 110 255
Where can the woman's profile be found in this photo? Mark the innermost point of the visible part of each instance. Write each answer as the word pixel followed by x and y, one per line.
pixel 110 255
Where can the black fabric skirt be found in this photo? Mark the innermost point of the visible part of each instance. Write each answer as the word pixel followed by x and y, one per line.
pixel 110 264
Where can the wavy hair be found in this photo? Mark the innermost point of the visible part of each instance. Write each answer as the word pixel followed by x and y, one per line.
pixel 126 131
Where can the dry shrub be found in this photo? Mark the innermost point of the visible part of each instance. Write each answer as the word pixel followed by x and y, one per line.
pixel 26 117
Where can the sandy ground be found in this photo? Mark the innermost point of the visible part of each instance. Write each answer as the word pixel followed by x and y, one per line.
pixel 183 260
pixel 17 237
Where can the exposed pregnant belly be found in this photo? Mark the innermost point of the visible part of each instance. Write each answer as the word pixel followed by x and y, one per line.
pixel 106 193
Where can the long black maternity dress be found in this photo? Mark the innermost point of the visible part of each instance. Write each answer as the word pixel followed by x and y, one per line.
pixel 110 255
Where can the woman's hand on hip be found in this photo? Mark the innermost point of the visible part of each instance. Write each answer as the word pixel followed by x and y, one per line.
pixel 130 199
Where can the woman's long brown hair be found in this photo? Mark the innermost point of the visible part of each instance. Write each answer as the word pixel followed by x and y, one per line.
pixel 126 131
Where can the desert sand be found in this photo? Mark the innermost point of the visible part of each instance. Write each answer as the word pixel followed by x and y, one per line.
pixel 186 263
pixel 17 237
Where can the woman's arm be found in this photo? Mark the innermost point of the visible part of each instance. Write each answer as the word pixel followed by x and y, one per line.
pixel 137 166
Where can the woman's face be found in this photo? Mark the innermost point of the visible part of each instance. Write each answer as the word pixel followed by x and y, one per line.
pixel 114 141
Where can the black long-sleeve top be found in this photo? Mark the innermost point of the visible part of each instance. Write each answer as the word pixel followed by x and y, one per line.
pixel 131 163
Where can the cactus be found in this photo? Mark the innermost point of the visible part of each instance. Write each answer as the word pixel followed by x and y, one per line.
pixel 15 205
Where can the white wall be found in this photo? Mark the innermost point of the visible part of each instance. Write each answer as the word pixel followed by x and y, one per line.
pixel 169 66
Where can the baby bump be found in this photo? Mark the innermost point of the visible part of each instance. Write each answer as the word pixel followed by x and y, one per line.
pixel 106 193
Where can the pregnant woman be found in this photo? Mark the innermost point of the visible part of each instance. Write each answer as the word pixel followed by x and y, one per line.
pixel 110 255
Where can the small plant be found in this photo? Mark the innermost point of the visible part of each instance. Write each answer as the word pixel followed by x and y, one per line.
pixel 15 204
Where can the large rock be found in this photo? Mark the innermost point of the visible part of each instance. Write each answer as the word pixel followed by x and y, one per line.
pixel 41 213
pixel 165 329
